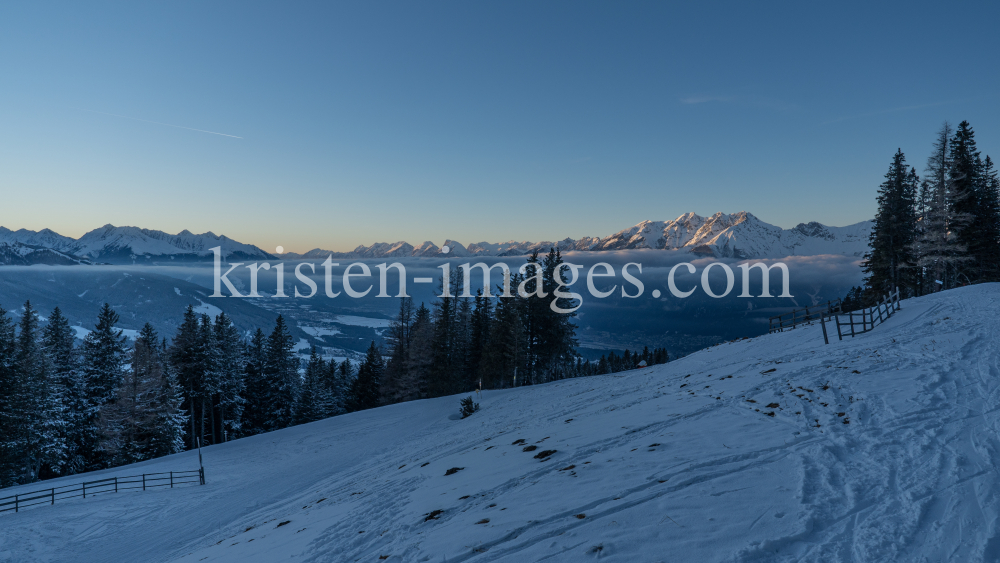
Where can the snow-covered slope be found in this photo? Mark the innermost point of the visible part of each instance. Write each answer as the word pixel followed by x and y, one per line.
pixel 884 447
pixel 20 254
pixel 737 235
pixel 126 244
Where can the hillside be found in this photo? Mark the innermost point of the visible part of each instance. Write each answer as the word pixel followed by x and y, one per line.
pixel 879 448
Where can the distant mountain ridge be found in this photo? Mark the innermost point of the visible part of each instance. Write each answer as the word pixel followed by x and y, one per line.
pixel 120 245
pixel 737 235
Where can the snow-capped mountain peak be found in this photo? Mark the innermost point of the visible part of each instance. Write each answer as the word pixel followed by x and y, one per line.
pixel 127 244
pixel 737 235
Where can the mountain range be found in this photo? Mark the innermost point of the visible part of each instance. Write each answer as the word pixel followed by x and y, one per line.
pixel 117 245
pixel 737 235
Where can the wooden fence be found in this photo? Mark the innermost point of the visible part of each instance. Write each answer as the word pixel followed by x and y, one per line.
pixel 801 316
pixel 101 486
pixel 860 322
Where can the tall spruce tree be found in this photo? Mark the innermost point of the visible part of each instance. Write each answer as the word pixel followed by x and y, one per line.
pixel 988 222
pixel 939 252
pixel 340 378
pixel 365 392
pixel 166 428
pixel 315 401
pixel 965 175
pixel 58 338
pixel 398 342
pixel 129 424
pixel 891 262
pixel 445 374
pixel 38 402
pixel 188 364
pixel 479 337
pixel 104 360
pixel 416 382
pixel 229 368
pixel 255 391
pixel 281 375
pixel 9 422
pixel 504 354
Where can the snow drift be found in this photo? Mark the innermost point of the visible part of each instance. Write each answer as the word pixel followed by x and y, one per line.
pixel 879 448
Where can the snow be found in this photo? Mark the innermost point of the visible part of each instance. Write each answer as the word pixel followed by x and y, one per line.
pixel 669 463
pixel 361 321
pixel 207 309
pixel 318 331
pixel 81 333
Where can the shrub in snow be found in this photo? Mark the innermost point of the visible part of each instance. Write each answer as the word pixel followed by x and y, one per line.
pixel 468 407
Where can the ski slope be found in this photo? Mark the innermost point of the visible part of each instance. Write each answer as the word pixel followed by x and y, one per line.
pixel 679 462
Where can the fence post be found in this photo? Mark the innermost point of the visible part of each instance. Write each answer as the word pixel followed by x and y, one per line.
pixel 53 495
pixel 116 484
pixel 822 320
pixel 16 502
pixel 144 481
pixel 839 335
pixel 171 479
pixel 852 323
pixel 201 474
pixel 84 489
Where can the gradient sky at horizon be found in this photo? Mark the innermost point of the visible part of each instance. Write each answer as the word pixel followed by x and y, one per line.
pixel 331 125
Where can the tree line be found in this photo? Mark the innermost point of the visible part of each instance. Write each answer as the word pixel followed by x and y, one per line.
pixel 464 344
pixel 68 408
pixel 937 232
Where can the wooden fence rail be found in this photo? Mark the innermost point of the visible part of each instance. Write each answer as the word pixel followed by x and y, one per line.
pixel 109 485
pixel 869 317
pixel 790 320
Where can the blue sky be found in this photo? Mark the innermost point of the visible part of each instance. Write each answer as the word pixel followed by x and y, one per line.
pixel 384 121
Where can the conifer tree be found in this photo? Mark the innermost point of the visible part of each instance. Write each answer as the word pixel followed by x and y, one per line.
pixel 9 423
pixel 281 374
pixel 187 361
pixel 445 373
pixel 58 341
pixel 166 430
pixel 315 401
pixel 339 379
pixel 398 342
pixel 38 403
pixel 104 359
pixel 229 367
pixel 938 250
pixel 415 383
pixel 256 391
pixel 128 423
pixel 479 337
pixel 965 177
pixel 365 393
pixel 890 263
pixel 505 354
pixel 988 222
